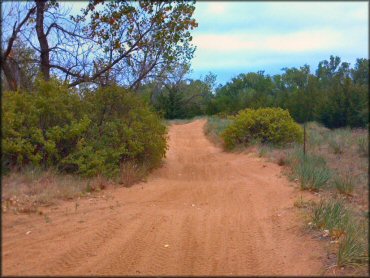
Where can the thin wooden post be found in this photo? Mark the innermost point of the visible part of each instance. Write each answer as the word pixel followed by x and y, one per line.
pixel 304 138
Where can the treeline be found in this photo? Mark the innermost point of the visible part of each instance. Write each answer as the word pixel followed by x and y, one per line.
pixel 336 95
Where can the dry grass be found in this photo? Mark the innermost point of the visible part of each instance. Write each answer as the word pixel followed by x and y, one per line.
pixel 214 127
pixel 24 191
pixel 344 152
pixel 27 190
pixel 132 173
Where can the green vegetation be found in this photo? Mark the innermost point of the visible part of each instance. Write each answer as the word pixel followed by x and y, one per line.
pixel 332 215
pixel 336 95
pixel 332 165
pixel 215 126
pixel 41 127
pixel 311 170
pixel 267 125
pixel 90 135
pixel 353 248
pixel 363 146
pixel 124 67
pixel 345 184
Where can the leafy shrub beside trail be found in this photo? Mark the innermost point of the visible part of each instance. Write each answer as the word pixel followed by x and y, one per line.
pixel 41 127
pixel 267 125
pixel 89 135
pixel 123 129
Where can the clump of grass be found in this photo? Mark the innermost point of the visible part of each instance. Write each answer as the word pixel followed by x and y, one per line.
pixel 132 173
pixel 353 248
pixel 316 134
pixel 215 126
pixel 312 171
pixel 344 184
pixel 282 160
pixel 263 149
pixel 300 203
pixel 332 215
pixel 336 146
pixel 363 146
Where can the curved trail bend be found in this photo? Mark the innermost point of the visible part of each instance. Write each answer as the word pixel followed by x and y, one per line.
pixel 205 212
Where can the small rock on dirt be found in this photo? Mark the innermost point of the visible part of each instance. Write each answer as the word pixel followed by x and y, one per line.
pixel 326 233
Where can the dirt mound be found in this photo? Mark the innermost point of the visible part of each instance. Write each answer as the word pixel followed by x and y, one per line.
pixel 205 212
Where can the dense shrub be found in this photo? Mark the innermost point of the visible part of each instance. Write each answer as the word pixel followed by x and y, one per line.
pixel 41 127
pixel 268 125
pixel 123 129
pixel 96 134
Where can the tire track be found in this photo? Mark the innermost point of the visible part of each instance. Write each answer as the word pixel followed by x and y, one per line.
pixel 205 212
pixel 74 257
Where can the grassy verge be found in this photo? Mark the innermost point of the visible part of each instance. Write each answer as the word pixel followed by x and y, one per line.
pixel 346 229
pixel 311 170
pixel 214 127
pixel 336 165
pixel 27 190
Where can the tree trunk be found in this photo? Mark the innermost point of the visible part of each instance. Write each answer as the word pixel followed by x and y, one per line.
pixel 44 46
pixel 10 76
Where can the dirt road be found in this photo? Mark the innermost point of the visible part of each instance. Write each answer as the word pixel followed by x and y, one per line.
pixel 205 212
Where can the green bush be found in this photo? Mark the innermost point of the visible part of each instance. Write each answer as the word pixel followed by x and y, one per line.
pixel 41 127
pixel 96 134
pixel 123 129
pixel 267 125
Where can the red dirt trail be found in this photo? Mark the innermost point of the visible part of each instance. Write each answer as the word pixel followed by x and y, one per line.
pixel 204 212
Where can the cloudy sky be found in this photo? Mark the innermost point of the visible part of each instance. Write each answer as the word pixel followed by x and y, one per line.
pixel 239 37
pixel 243 36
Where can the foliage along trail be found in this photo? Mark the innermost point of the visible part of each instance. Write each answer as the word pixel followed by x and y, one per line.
pixel 205 212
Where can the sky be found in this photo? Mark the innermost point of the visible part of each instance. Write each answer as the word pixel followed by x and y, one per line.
pixel 243 36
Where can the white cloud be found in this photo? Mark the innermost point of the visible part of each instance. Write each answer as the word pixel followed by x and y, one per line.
pixel 217 8
pixel 309 40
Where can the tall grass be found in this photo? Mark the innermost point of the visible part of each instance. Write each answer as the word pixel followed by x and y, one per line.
pixel 131 173
pixel 26 190
pixel 344 184
pixel 363 146
pixel 311 170
pixel 331 215
pixel 214 127
pixel 352 234
pixel 353 248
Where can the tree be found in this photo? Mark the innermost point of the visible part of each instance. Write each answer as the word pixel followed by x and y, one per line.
pixel 22 14
pixel 23 68
pixel 139 40
pixel 121 42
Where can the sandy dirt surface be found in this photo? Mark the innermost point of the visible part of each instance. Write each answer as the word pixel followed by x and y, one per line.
pixel 205 212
